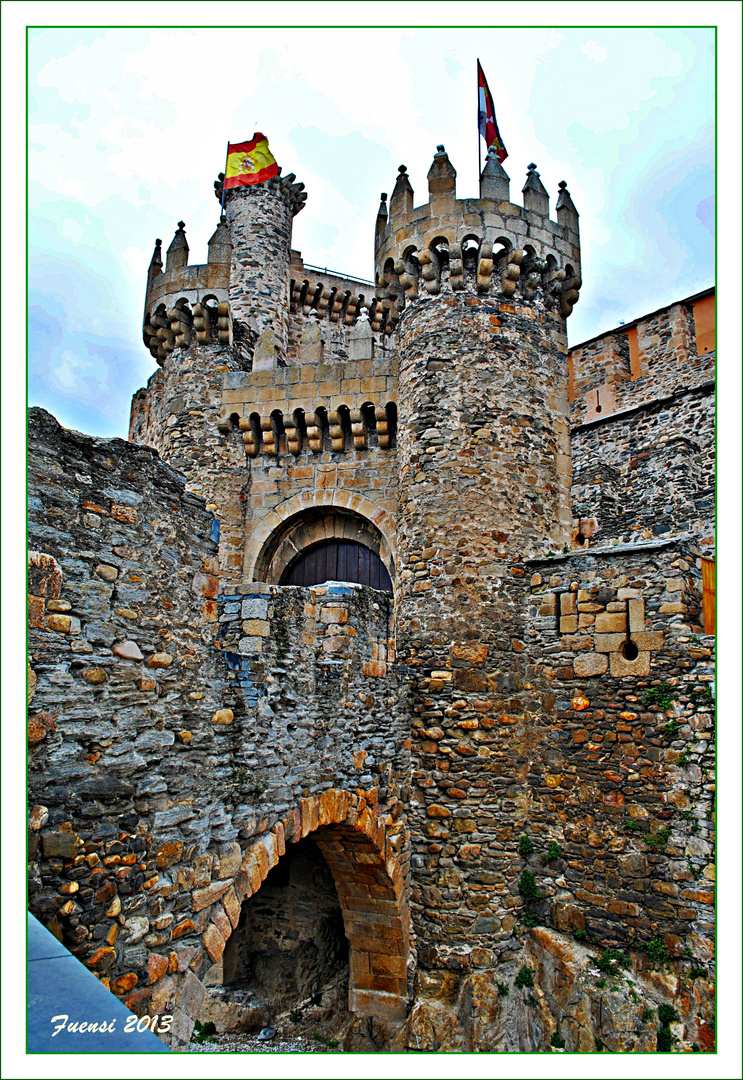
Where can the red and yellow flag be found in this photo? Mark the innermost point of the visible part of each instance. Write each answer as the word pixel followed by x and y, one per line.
pixel 486 121
pixel 249 162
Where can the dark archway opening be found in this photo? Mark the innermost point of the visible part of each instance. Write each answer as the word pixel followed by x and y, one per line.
pixel 338 560
pixel 290 945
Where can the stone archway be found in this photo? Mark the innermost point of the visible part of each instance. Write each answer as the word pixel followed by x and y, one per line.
pixel 362 849
pixel 269 533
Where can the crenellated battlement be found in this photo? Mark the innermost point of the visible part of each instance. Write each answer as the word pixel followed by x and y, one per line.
pixel 188 303
pixel 485 245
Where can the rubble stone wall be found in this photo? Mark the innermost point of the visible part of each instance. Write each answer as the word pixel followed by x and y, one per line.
pixel 648 471
pixel 160 760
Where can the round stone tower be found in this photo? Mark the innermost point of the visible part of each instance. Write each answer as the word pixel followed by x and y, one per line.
pixel 259 220
pixel 479 290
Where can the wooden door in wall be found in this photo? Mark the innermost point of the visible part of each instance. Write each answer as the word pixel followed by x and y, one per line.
pixel 338 560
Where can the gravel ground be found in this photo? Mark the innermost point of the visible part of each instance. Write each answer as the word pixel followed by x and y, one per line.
pixel 248 1044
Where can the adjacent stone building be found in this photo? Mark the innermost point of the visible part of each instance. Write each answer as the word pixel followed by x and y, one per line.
pixel 381 656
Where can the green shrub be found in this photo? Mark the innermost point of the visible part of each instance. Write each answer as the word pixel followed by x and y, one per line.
pixel 528 887
pixel 657 841
pixel 203 1033
pixel 611 960
pixel 657 951
pixel 553 851
pixel 666 1015
pixel 556 1041
pixel 580 935
pixel 601 983
pixel 697 973
pixel 525 846
pixel 598 1044
pixel 664 1042
pixel 525 977
pixel 663 695
pixel 701 696
pixel 503 989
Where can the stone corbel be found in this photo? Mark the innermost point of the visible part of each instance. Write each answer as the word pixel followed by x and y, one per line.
pixel 336 430
pixel 456 267
pixel 484 266
pixel 358 429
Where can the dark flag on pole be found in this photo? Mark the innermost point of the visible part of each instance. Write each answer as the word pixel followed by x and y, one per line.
pixel 486 117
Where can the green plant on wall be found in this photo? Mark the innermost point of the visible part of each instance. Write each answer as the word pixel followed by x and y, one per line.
pixel 663 695
pixel 657 951
pixel 658 840
pixel 553 851
pixel 666 1015
pixel 525 846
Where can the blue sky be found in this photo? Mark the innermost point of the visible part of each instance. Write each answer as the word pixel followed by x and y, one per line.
pixel 127 131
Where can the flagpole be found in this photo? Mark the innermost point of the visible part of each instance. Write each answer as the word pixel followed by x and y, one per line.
pixel 224 182
pixel 479 148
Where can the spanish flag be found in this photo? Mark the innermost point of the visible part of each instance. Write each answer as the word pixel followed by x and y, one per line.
pixel 249 162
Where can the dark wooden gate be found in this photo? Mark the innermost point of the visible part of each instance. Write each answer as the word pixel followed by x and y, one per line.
pixel 338 560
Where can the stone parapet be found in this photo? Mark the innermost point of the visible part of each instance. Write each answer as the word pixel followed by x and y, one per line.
pixel 481 246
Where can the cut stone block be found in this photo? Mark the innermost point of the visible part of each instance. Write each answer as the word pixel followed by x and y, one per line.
pixel 611 622
pixel 608 642
pixel 586 664
pixel 619 666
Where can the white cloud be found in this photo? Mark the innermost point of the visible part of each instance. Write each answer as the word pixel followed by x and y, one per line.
pixel 73 230
pixel 68 370
pixel 594 51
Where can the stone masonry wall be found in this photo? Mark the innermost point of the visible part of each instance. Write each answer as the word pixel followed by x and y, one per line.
pixel 178 415
pixel 167 772
pixel 623 776
pixel 629 366
pixel 646 472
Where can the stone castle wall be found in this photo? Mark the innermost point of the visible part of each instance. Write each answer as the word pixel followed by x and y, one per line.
pixel 521 734
pixel 650 359
pixel 167 770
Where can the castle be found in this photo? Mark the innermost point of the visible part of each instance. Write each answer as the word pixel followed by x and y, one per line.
pixel 383 650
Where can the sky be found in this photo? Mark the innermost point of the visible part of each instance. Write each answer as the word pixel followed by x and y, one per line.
pixel 127 131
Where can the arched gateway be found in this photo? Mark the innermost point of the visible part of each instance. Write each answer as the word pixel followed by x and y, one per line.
pixel 362 852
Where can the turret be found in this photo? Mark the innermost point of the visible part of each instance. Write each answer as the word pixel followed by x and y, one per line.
pixel 494 180
pixel 220 245
pixel 259 218
pixel 442 181
pixel 475 294
pixel 535 193
pixel 156 263
pixel 178 250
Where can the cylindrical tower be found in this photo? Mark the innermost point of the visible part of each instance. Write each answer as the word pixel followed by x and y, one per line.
pixel 206 325
pixel 259 219
pixel 481 289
